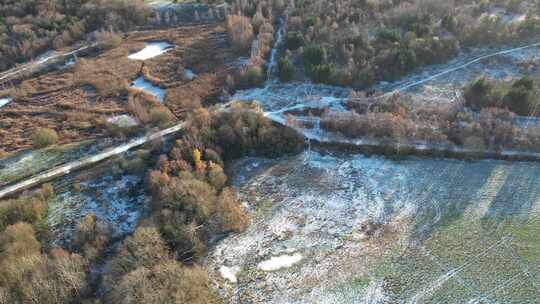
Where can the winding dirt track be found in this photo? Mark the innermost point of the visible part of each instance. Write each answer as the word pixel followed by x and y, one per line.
pixel 86 161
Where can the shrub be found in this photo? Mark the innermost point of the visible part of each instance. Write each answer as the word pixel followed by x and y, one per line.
pixel 92 236
pixel 240 33
pixel 294 40
pixel 521 98
pixel 144 248
pixel 255 76
pixel 286 69
pixel 481 94
pixel 231 215
pixel 31 277
pixel 167 282
pixel 323 73
pixel 386 36
pixel 108 39
pixel 161 116
pixel 216 176
pixel 17 241
pixel 314 55
pixel 26 209
pixel 44 137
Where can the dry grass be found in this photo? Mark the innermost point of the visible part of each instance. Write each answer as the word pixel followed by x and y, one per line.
pixel 44 137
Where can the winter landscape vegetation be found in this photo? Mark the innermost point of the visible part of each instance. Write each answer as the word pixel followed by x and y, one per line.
pixel 269 151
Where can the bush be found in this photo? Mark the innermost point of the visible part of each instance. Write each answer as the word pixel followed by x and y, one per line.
pixel 44 137
pixel 314 55
pixel 323 73
pixel 521 98
pixel 255 76
pixel 32 210
pixel 108 39
pixel 167 282
pixel 30 277
pixel 286 69
pixel 161 117
pixel 144 248
pixel 17 241
pixel 92 236
pixel 294 40
pixel 481 94
pixel 231 215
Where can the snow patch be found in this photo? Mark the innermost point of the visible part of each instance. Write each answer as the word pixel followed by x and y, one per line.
pixel 189 74
pixel 4 101
pixel 279 262
pixel 229 273
pixel 123 121
pixel 152 49
pixel 142 84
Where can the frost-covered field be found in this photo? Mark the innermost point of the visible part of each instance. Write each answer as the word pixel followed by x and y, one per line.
pixel 338 228
pixel 28 163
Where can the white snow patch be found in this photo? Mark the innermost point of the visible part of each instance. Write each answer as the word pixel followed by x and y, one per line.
pixel 142 84
pixel 279 262
pixel 229 273
pixel 189 74
pixel 123 121
pixel 4 101
pixel 152 49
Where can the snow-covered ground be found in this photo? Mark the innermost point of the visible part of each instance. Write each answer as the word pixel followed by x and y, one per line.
pixel 326 228
pixel 4 101
pixel 123 121
pixel 142 84
pixel 152 49
pixel 117 199
pixel 190 74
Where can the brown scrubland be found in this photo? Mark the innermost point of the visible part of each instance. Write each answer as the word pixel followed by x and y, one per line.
pixel 77 101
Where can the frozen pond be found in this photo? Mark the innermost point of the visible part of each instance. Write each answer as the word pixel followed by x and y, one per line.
pixel 142 84
pixel 189 74
pixel 4 101
pixel 152 49
pixel 341 228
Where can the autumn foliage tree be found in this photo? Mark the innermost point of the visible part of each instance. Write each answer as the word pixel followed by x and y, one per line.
pixel 240 33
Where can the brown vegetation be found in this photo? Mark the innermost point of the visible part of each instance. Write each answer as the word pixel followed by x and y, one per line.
pixel 31 27
pixel 44 137
pixel 404 120
pixel 78 101
pixel 240 33
pixel 29 274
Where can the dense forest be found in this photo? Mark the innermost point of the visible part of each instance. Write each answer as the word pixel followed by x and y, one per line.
pixel 29 28
pixel 357 43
